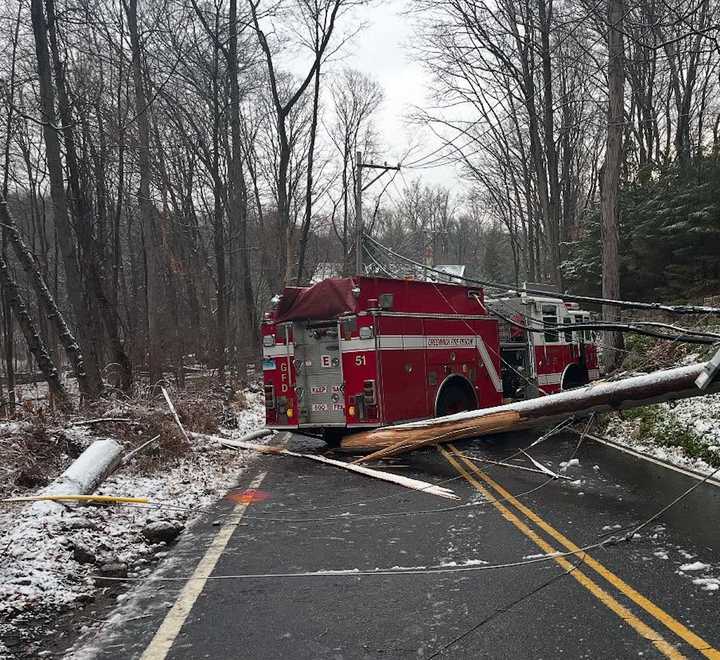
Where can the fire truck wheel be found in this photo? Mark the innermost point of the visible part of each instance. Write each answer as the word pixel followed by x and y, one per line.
pixel 574 376
pixel 332 438
pixel 456 396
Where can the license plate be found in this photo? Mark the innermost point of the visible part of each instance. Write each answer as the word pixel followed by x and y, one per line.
pixel 319 407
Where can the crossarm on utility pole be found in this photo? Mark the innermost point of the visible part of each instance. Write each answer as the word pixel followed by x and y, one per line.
pixel 385 170
pixel 359 189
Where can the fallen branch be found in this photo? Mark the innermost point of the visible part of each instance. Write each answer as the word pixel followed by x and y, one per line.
pixel 254 435
pixel 128 456
pixel 407 482
pixel 175 415
pixel 100 420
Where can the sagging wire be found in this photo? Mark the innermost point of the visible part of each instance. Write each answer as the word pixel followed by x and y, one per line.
pixel 533 384
pixel 596 340
pixel 475 332
pixel 649 360
pixel 629 536
pixel 502 610
pixel 669 506
pixel 426 570
pixel 357 516
pixel 690 336
pixel 376 262
pixel 675 309
pixel 353 572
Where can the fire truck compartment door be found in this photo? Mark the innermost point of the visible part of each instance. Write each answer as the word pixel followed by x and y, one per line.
pixel 318 372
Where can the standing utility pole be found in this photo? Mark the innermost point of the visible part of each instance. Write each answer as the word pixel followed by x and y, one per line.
pixel 359 188
pixel 359 228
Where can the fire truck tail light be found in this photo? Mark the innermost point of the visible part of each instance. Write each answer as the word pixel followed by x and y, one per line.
pixel 290 412
pixel 351 411
pixel 369 392
pixel 269 397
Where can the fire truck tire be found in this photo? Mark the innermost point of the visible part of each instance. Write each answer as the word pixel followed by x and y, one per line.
pixel 456 395
pixel 332 437
pixel 574 376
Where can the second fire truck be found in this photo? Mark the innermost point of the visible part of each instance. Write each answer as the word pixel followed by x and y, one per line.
pixel 358 352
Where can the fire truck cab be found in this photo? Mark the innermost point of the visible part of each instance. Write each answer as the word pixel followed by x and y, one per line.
pixel 548 360
pixel 355 352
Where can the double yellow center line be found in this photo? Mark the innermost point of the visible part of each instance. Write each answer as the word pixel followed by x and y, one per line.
pixel 470 471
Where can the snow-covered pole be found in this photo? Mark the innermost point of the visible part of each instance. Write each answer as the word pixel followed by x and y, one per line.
pixel 603 396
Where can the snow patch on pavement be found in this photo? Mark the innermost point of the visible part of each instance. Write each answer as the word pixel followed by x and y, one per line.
pixel 708 584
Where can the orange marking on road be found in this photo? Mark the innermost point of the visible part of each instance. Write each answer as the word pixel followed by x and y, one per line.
pixel 248 496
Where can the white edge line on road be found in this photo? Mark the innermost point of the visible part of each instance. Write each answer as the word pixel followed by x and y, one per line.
pixel 658 461
pixel 175 618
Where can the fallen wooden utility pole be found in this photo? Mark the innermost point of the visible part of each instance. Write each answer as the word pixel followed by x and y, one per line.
pixel 407 482
pixel 603 396
pixel 84 475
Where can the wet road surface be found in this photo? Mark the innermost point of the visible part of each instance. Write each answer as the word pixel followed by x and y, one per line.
pixel 652 597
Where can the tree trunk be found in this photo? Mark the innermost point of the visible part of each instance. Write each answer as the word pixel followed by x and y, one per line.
pixel 553 221
pixel 8 331
pixel 100 310
pixel 91 386
pixel 46 299
pixel 35 343
pixel 305 230
pixel 610 180
pixel 147 211
pixel 238 189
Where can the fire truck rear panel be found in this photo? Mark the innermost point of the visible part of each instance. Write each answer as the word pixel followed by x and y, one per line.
pixel 318 374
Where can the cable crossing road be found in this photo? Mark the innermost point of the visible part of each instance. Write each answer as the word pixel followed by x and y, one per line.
pixel 306 561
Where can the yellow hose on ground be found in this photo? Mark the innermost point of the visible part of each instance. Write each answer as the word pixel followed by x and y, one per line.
pixel 114 499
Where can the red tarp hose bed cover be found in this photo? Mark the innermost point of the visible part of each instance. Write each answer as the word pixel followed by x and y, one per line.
pixel 324 300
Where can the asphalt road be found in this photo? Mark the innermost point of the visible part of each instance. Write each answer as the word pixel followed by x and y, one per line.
pixel 615 601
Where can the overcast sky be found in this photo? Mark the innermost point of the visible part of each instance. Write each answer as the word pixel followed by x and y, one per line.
pixel 382 51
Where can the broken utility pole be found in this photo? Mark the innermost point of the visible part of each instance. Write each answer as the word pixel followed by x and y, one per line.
pixel 359 189
pixel 671 384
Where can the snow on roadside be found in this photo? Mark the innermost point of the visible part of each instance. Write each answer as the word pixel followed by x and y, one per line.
pixel 700 416
pixel 48 560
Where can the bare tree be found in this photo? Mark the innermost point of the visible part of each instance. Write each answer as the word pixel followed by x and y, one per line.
pixel 87 370
pixel 283 105
pixel 153 268
pixel 356 98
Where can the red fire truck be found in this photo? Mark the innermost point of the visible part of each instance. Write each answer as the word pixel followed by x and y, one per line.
pixel 538 358
pixel 348 353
